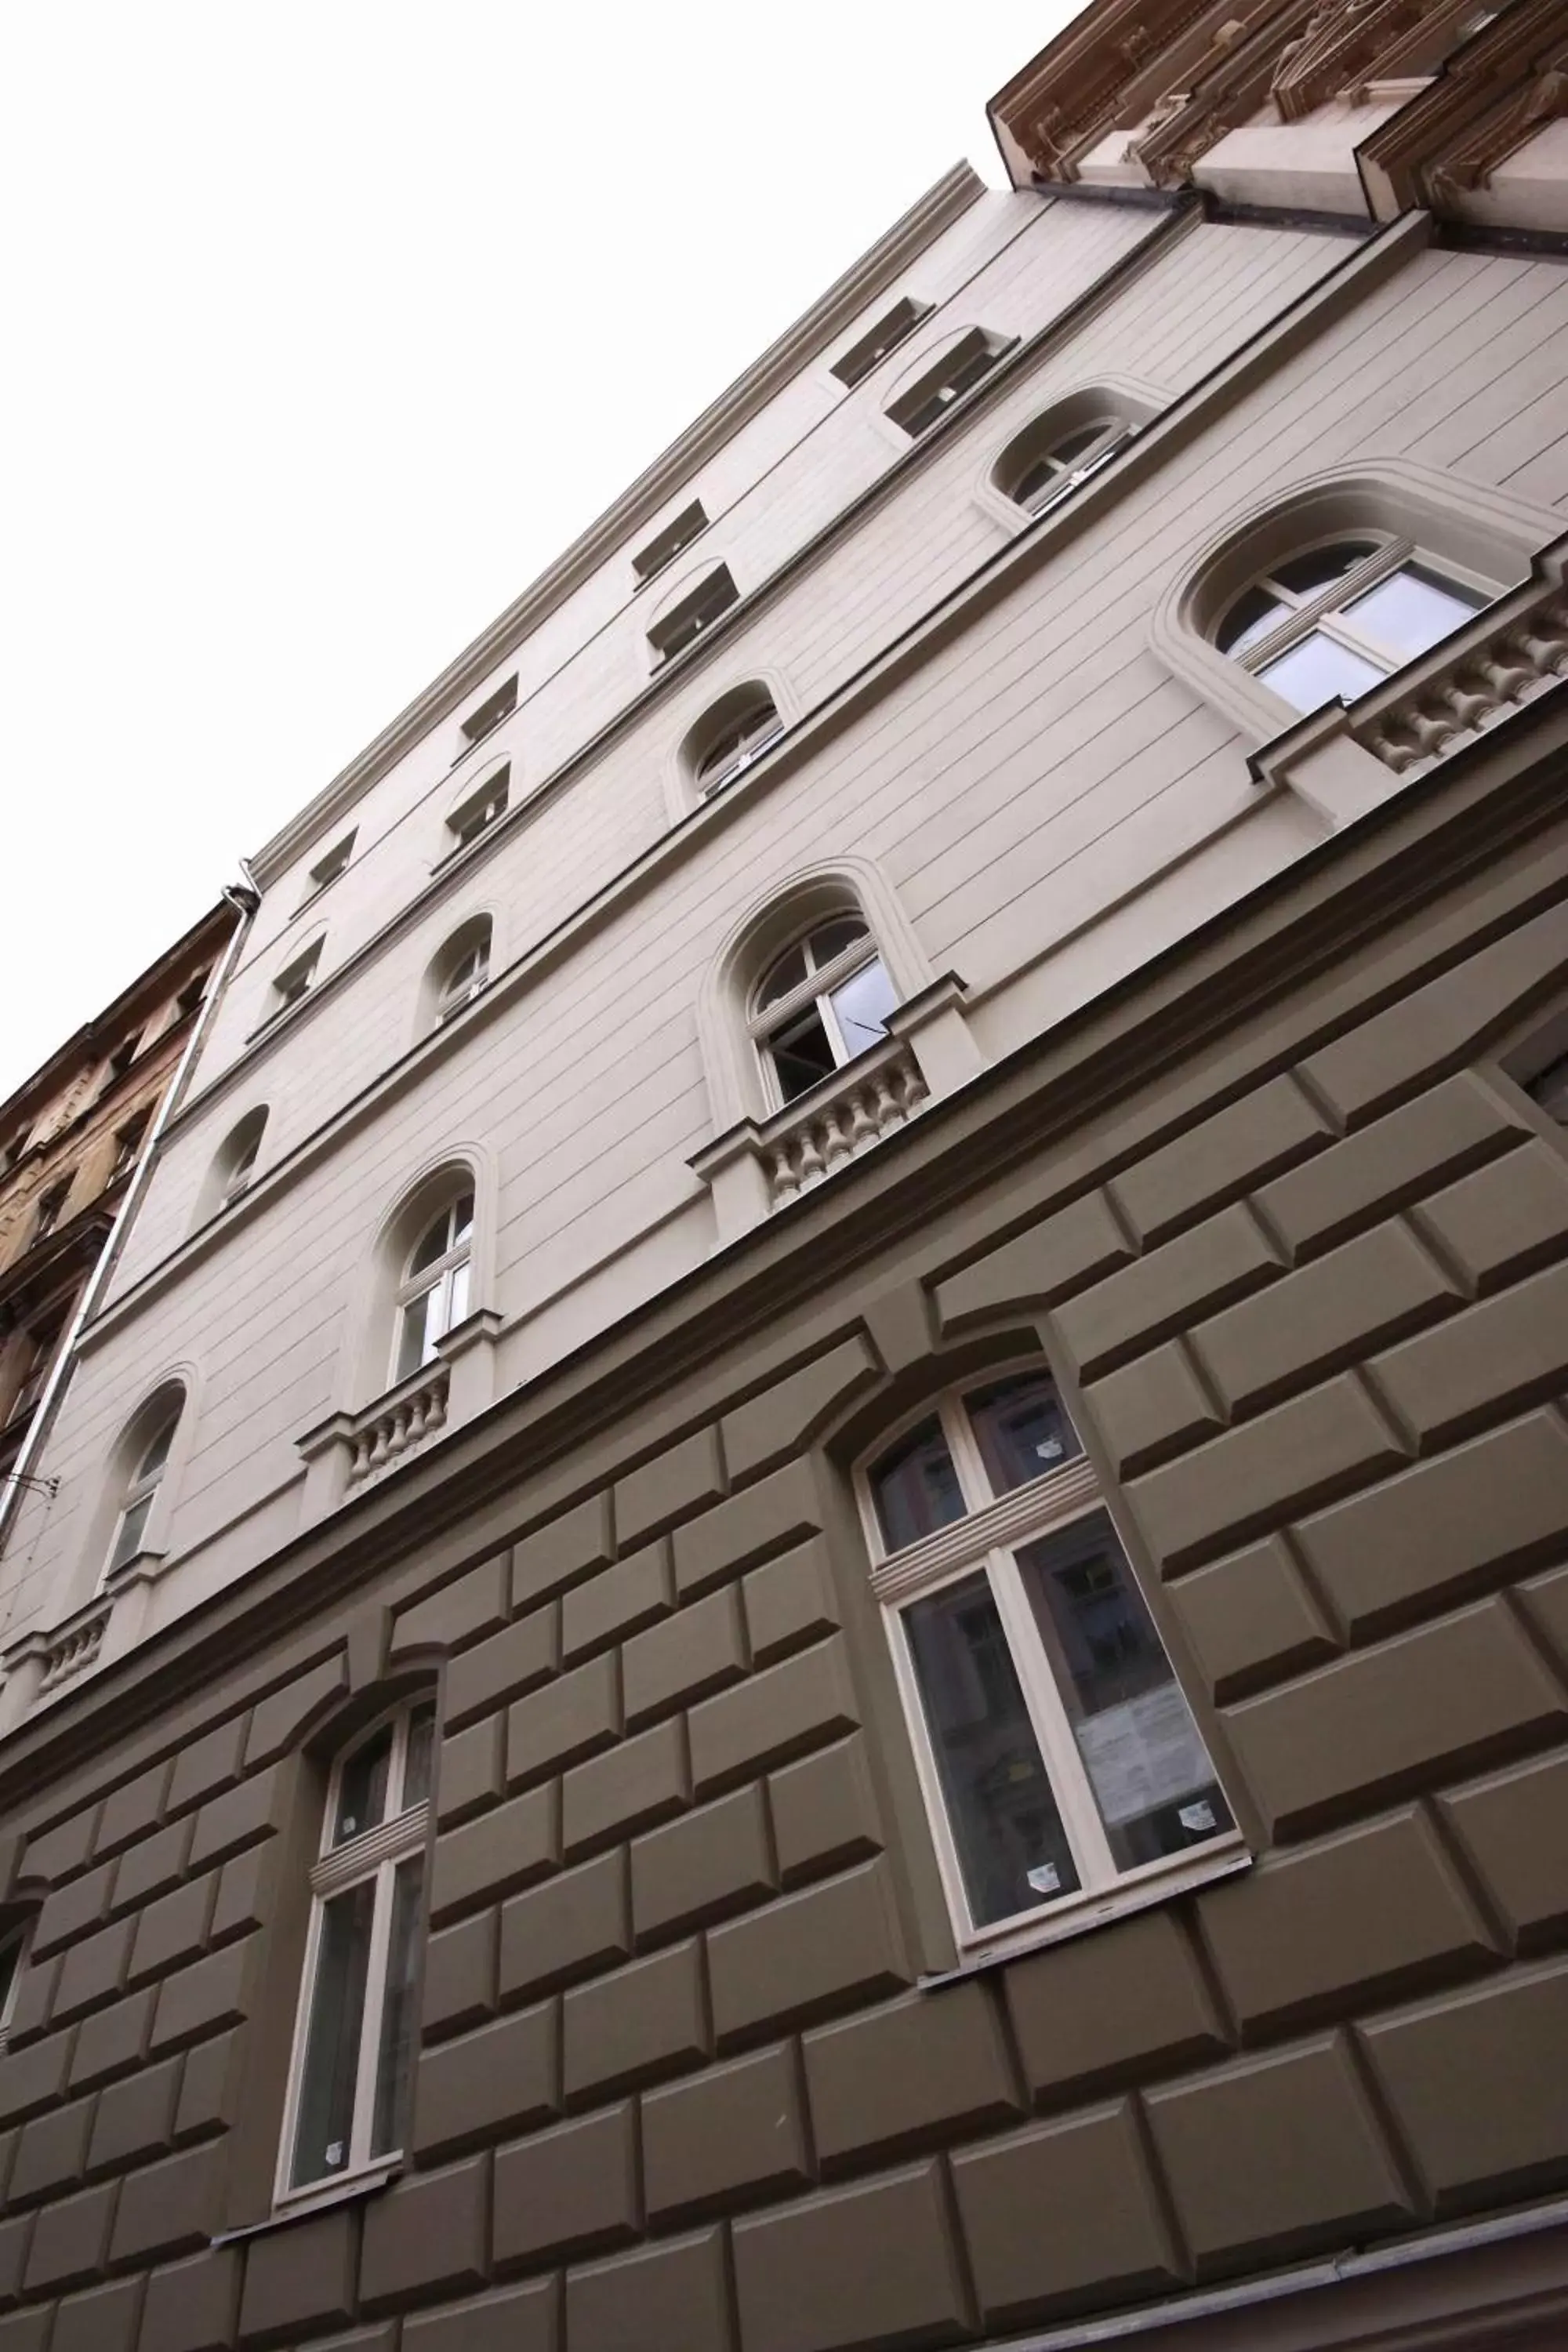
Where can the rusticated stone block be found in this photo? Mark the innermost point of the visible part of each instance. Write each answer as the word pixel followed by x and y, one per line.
pixel 103 2319
pixel 425 2237
pixel 918 2071
pixel 790 1602
pixel 299 2279
pixel 110 2041
pixel 702 1867
pixel 1511 1825
pixel 1048 1262
pixel 69 2239
pixel 501 2079
pixel 1361 1919
pixel 132 1809
pixel 174 1930
pixel 1329 1314
pixel 669 1488
pixel 26 2331
pixel 1238 1149
pixel 241 1817
pixel 51 2154
pixel 153 1866
pixel 203 1767
pixel 1062 2215
pixel 134 2119
pixel 210 2088
pixel 1495 1358
pixel 617 1602
pixel 1443 1131
pixel 731 2136
pixel 641 2023
pixel 1152 1409
pixel 461 1975
pixel 469 1774
pixel 1506 1220
pixel 34 2078
pixel 1251 1621
pixel 1445 1528
pixel 668 2294
pixel 568 2189
pixel 573 1925
pixel 870 2264
pixel 1448 1698
pixel 57 1853
pixel 92 1971
pixel 762 1518
pixel 1475 2081
pixel 512 2319
pixel 455 1614
pixel 281 1719
pixel 504 1667
pixel 825 1812
pixel 1302 1453
pixel 72 1911
pixel 1200 1272
pixel 1121 2004
pixel 167 2209
pixel 571 1717
pixel 571 1547
pixel 629 1788
pixel 1276 2155
pixel 243 1885
pixel 777 1714
pixel 14 2237
pixel 768 1428
pixel 191 2305
pixel 35 1999
pixel 702 1650
pixel 200 2000
pixel 506 1848
pixel 805 1956
pixel 1433 1028
pixel 1544 1600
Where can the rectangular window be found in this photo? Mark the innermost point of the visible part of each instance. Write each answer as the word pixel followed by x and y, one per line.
pixel 51 1207
pixel 128 1143
pixel 488 716
pixel 294 982
pixel 328 868
pixel 927 402
pixel 120 1061
pixel 873 348
pixel 479 811
pixel 688 524
pixel 685 623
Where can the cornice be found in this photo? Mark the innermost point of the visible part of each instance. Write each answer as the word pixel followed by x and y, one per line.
pixel 941 204
pixel 631 1390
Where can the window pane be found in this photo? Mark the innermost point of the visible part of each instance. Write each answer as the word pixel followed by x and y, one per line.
pixel 416 1771
pixel 362 1792
pixel 915 1487
pixel 1249 618
pixel 1321 566
pixel 1012 1848
pixel 787 973
pixel 156 1452
pixel 1148 1767
pixel 462 1215
pixel 1316 670
pixel 321 2141
pixel 802 1055
pixel 415 1341
pixel 1410 610
pixel 1022 1430
pixel 1039 483
pixel 862 1003
pixel 128 1542
pixel 10 1962
pixel 434 1243
pixel 393 2063
pixel 834 938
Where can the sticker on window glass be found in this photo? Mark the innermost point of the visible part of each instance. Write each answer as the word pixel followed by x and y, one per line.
pixel 334 2153
pixel 1196 1817
pixel 1045 1878
pixel 1050 1449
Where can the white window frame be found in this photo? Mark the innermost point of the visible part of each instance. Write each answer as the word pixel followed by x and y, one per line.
pixel 374 1853
pixel 683 531
pixel 16 1941
pixel 948 382
pixel 294 983
pixel 687 620
pixel 746 738
pixel 455 991
pixel 485 717
pixel 451 1274
pixel 487 803
pixel 879 342
pixel 1114 432
pixel 987 1539
pixel 237 1180
pixel 814 991
pixel 326 870
pixel 1323 609
pixel 139 1492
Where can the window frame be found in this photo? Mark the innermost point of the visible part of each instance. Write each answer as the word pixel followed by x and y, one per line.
pixel 994 1529
pixel 1112 436
pixel 814 991
pixel 690 618
pixel 139 1489
pixel 328 868
pixel 879 342
pixel 1325 610
pixel 482 721
pixel 681 531
pixel 756 727
pixel 129 1138
pixel 934 396
pixel 375 1853
pixel 452 998
pixel 50 1207
pixel 14 1939
pixel 439 1274
pixel 296 980
pixel 477 802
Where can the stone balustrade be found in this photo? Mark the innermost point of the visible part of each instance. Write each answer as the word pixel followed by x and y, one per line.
pixel 874 1096
pixel 389 1431
pixel 1514 651
pixel 73 1647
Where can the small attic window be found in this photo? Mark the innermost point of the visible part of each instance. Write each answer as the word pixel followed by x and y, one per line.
pixel 688 524
pixel 885 336
pixel 490 714
pixel 928 400
pixel 328 868
pixel 685 623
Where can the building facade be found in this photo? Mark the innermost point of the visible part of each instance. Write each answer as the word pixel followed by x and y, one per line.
pixel 805 1588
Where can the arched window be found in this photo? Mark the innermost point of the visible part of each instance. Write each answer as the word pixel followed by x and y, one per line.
pixel 731 736
pixel 479 806
pixel 462 970
pixel 1059 1758
pixel 820 1003
pixel 140 1491
pixel 434 1292
pixel 347 2105
pixel 1336 618
pixel 1050 460
pixel 236 1162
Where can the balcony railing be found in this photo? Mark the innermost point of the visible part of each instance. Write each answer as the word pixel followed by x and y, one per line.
pixel 393 1429
pixel 870 1098
pixel 1514 651
pixel 74 1646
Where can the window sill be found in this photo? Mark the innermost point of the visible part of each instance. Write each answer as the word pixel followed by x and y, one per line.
pixel 298 2209
pixel 1100 1911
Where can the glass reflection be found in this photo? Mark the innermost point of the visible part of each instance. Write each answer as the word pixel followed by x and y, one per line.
pixel 915 1487
pixel 1021 1430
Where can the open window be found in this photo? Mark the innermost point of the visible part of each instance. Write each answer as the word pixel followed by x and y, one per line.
pixel 1335 618
pixel 144 1461
pixel 294 983
pixel 128 1142
pixel 477 811
pixel 851 367
pixel 347 2105
pixel 488 716
pixel 1060 1760
pixel 461 971
pixel 327 868
pixel 819 1005
pixel 927 400
pixel 728 737
pixel 672 541
pixel 683 623
pixel 433 1296
pixel 233 1163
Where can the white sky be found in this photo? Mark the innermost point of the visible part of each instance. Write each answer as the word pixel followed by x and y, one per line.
pixel 294 297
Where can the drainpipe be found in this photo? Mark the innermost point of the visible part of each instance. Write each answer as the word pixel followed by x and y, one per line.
pixel 245 898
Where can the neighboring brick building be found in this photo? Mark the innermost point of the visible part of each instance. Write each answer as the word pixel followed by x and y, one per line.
pixel 809 1585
